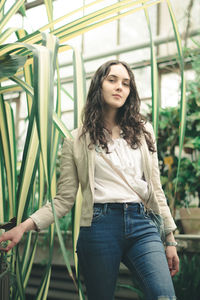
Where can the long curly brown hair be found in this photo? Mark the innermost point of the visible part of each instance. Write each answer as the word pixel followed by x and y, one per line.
pixel 128 117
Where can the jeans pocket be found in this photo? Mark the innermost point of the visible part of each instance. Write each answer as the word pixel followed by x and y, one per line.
pixel 148 217
pixel 97 213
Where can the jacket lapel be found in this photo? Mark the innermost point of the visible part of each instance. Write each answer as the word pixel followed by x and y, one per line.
pixel 91 161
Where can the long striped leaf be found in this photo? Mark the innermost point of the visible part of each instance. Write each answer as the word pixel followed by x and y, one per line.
pixel 55 132
pixel 44 105
pixel 4 131
pixel 6 34
pixel 41 179
pixel 26 253
pixel 79 101
pixel 2 3
pixel 20 294
pixel 10 13
pixel 183 89
pixel 27 88
pixel 13 155
pixel 49 10
pixel 62 245
pixel 28 72
pixel 28 167
pixel 9 89
pixel 28 256
pixel 44 285
pixel 154 79
pixel 44 66
pixel 10 48
pixel 44 28
pixel 66 35
pixel 79 86
pixel 61 126
pixel 60 238
pixel 66 93
pixel 76 225
pixel 97 15
pixel 76 216
pixel 43 292
pixel 2 186
pixel 29 263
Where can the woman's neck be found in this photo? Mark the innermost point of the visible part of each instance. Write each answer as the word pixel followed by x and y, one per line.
pixel 110 118
pixel 113 128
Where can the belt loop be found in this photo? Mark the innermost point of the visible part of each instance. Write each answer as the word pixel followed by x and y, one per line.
pixel 105 206
pixel 140 207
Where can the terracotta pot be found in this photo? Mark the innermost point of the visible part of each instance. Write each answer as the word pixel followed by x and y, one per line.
pixel 190 219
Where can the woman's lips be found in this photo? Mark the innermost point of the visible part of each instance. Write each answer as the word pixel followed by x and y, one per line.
pixel 117 96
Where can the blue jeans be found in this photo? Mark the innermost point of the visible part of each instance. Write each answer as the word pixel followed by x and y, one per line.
pixel 123 232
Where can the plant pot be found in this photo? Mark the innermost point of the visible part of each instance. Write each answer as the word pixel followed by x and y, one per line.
pixel 190 219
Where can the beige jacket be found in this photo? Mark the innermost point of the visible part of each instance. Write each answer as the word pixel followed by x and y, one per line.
pixel 77 166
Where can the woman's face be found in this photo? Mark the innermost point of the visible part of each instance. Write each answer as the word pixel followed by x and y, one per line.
pixel 116 87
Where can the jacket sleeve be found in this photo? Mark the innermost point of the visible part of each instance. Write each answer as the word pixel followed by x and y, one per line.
pixel 66 189
pixel 169 223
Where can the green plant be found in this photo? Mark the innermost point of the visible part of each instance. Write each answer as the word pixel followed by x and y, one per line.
pixel 180 189
pixel 187 281
pixel 188 177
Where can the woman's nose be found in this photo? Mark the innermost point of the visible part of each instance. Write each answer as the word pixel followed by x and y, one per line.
pixel 119 86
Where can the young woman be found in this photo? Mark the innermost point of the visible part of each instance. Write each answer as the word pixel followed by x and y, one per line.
pixel 113 157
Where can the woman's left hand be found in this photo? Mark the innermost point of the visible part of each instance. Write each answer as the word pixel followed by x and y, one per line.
pixel 173 260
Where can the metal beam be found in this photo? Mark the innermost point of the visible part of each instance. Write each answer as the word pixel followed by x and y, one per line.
pixel 33 4
pixel 165 65
pixel 123 49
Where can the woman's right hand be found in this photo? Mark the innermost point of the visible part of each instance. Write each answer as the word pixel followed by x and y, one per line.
pixel 15 234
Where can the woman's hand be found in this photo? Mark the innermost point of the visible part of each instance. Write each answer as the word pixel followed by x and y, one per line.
pixel 173 260
pixel 15 234
pixel 172 256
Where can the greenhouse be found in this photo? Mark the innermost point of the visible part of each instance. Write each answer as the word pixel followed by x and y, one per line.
pixel 100 149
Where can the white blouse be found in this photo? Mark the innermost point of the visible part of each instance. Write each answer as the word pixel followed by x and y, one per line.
pixel 109 186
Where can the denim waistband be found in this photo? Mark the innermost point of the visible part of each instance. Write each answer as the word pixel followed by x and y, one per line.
pixel 125 205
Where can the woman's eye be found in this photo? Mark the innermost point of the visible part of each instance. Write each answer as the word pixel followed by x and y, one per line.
pixel 126 84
